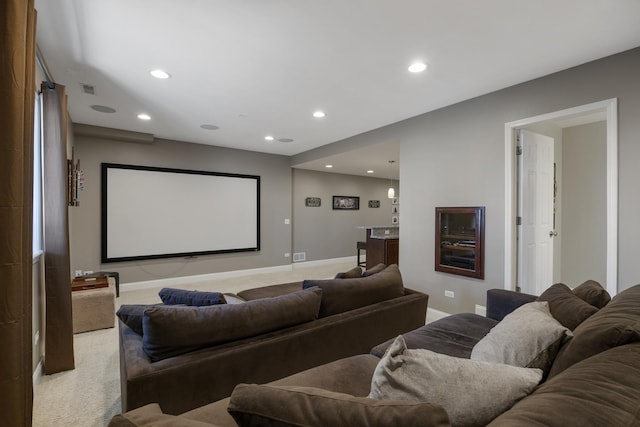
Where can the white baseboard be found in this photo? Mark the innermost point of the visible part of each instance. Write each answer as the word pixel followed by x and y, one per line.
pixel 37 374
pixel 481 310
pixel 185 280
pixel 433 314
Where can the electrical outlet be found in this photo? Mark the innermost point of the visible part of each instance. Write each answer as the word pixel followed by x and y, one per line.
pixel 287 254
pixel 449 294
pixel 78 273
pixel 87 272
pixel 286 221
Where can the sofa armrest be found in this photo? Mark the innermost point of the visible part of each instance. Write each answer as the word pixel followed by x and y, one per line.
pixel 501 302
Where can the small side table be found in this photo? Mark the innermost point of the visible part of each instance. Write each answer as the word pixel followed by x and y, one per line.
pixel 93 309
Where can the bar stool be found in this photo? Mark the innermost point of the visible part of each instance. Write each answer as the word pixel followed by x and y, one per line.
pixel 361 246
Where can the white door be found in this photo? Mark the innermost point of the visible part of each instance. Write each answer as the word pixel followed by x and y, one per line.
pixel 535 241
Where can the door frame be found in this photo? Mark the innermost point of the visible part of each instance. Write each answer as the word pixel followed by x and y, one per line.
pixel 610 108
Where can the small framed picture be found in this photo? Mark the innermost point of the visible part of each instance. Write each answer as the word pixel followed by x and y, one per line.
pixel 312 202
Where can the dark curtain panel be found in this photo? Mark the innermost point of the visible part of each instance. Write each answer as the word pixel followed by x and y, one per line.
pixel 17 92
pixel 59 323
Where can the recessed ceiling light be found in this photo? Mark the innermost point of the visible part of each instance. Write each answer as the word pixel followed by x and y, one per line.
pixel 210 127
pixel 369 171
pixel 417 67
pixel 285 140
pixel 160 74
pixel 269 138
pixel 319 114
pixel 328 166
pixel 143 116
pixel 103 109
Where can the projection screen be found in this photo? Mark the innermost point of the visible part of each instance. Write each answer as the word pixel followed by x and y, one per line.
pixel 151 212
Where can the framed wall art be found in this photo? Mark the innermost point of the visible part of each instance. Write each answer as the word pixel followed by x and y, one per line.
pixel 349 203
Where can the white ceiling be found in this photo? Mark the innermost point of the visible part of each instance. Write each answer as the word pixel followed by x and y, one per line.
pixel 259 67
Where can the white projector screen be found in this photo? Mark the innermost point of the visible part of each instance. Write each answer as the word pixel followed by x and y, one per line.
pixel 150 212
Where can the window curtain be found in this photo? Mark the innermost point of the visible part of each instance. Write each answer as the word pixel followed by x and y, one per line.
pixel 17 90
pixel 57 265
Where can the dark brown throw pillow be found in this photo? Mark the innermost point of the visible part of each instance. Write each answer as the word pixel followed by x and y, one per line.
pixel 254 405
pixel 354 273
pixel 341 295
pixel 593 293
pixel 615 324
pixel 373 270
pixel 566 307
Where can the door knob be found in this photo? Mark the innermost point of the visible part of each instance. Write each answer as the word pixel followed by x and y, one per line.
pixel 553 233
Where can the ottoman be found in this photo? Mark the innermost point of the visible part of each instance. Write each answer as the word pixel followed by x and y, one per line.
pixel 94 308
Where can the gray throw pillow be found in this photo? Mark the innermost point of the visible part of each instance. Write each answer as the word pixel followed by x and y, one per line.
pixel 283 406
pixel 472 392
pixel 528 337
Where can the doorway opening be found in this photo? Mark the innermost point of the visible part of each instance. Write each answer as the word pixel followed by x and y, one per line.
pixel 598 111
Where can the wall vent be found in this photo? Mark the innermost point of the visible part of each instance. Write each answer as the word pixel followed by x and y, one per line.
pixel 299 256
pixel 88 89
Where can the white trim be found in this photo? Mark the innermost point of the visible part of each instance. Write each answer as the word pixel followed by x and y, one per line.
pixel 433 315
pixel 185 280
pixel 37 374
pixel 610 107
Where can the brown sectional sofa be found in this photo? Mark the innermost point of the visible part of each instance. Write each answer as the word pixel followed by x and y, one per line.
pixel 280 330
pixel 593 381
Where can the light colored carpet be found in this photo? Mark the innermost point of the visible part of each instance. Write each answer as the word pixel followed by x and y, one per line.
pixel 89 395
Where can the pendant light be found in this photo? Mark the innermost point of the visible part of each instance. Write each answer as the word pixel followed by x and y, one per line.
pixel 391 193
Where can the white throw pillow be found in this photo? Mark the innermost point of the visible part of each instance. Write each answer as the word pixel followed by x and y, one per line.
pixel 528 337
pixel 473 393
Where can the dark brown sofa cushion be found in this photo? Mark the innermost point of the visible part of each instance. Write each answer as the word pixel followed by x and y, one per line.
pixel 341 295
pixel 615 324
pixel 566 307
pixel 454 335
pixel 283 406
pixel 603 390
pixel 593 293
pixel 151 416
pixel 173 330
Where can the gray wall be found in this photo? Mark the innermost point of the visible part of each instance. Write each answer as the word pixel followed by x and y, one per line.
pixel 455 156
pixel 584 203
pixel 324 233
pixel 275 205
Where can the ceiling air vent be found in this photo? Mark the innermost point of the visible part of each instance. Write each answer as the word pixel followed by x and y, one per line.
pixel 88 89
